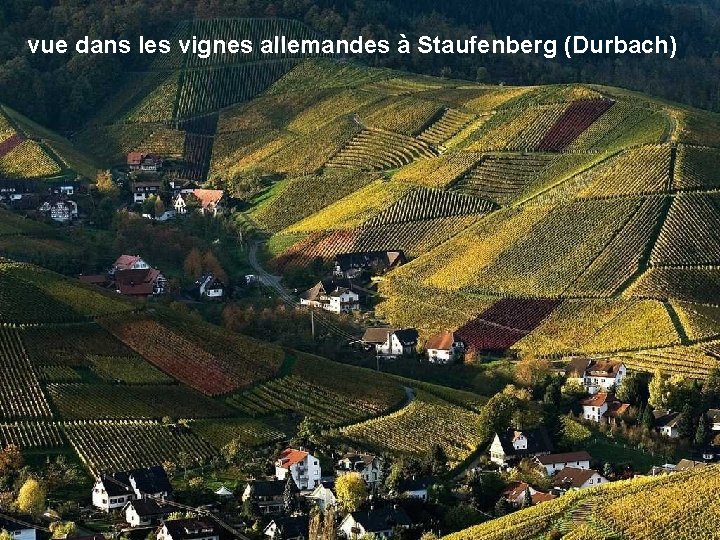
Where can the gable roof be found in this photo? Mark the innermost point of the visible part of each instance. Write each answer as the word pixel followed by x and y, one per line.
pixel 140 282
pixel 149 507
pixel 598 400
pixel 188 529
pixel 377 335
pixel 516 489
pixel 292 527
pixel 604 368
pixel 151 480
pixel 685 464
pixel 417 483
pixel 566 457
pixel 124 262
pixel 357 462
pixel 381 519
pixel 576 368
pixel 573 477
pixel 267 488
pixel 366 259
pixel 11 524
pixel 208 197
pixel 116 484
pixel 443 341
pixel 540 497
pixel 407 336
pixel 290 457
pixel 538 441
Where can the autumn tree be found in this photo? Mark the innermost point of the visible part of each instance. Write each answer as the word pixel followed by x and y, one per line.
pixel 10 459
pixel 193 265
pixel 31 498
pixel 289 501
pixel 105 185
pixel 159 207
pixel 532 372
pixel 315 525
pixel 63 529
pixel 330 526
pixel 351 491
pixel 657 390
pixel 212 266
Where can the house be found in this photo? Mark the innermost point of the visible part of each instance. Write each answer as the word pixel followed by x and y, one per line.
pixel 513 445
pixel 687 464
pixel 60 209
pixel 379 522
pixel 301 465
pixel 188 529
pixel 145 512
pixel 112 491
pixel 553 463
pixel 514 493
pixel 603 407
pixel 541 497
pixel 666 422
pixel 576 478
pixel 209 201
pixel 128 262
pixel 182 186
pixel 144 282
pixel 323 496
pixel 596 375
pixel 144 189
pixel 288 528
pixel 368 466
pixel 18 529
pixel 351 265
pixel 713 416
pixel 444 348
pixel 143 162
pixel 415 487
pixel 330 296
pixel 391 342
pixel 267 494
pixel 208 286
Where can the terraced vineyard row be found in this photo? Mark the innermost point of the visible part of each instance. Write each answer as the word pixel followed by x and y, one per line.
pixel 502 178
pixel 438 171
pixel 579 116
pixel 10 144
pixel 691 234
pixel 690 284
pixel 104 446
pixel 374 149
pixel 31 435
pixel 28 160
pixel 248 432
pixel 694 362
pixel 423 203
pixel 406 114
pixel 300 396
pixel 414 429
pixel 78 401
pixel 696 168
pixel 447 126
pixel 22 396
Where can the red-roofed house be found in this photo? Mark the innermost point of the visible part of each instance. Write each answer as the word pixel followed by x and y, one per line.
pixel 595 376
pixel 573 478
pixel 140 282
pixel 139 161
pixel 444 348
pixel 210 201
pixel 603 407
pixel 556 462
pixel 128 262
pixel 301 465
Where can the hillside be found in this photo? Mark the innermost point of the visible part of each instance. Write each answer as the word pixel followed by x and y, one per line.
pixel 680 506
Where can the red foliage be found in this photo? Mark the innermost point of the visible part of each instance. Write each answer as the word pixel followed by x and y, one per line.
pixel 577 118
pixel 9 144
pixel 325 245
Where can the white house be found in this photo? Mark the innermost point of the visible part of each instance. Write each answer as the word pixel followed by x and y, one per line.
pixel 713 416
pixel 128 262
pixel 378 522
pixel 602 407
pixel 19 530
pixel 209 201
pixel 512 445
pixel 302 466
pixel 330 296
pixel 323 496
pixel 368 466
pixel 210 287
pixel 573 478
pixel 145 512
pixel 267 494
pixel 60 210
pixel 148 163
pixel 188 529
pixel 444 348
pixel 596 375
pixel 113 491
pixel 144 189
pixel 666 423
pixel 288 528
pixel 514 493
pixel 553 463
pixel 415 488
pixel 391 342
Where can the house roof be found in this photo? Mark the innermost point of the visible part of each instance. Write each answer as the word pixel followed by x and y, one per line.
pixel 576 368
pixel 188 529
pixel 291 456
pixel 149 507
pixel 566 457
pixel 540 497
pixel 377 335
pixel 267 488
pixel 573 477
pixel 381 519
pixel 713 415
pixel 94 279
pixel 685 464
pixel 9 524
pixel 604 368
pixel 616 409
pixel 135 158
pixel 124 262
pixel 365 259
pixel 139 282
pixel 538 441
pixel 292 527
pixel 208 197
pixel 598 400
pixel 418 483
pixel 407 336
pixel 151 480
pixel 357 461
pixel 443 341
pixel 116 484
pixel 515 489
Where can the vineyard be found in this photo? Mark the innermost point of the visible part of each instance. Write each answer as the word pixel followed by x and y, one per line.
pixel 438 171
pixel 415 428
pixel 448 125
pixel 119 446
pixel 79 401
pixel 690 284
pixel 22 396
pixel 579 116
pixel 31 435
pixel 125 369
pixel 405 114
pixel 695 168
pixel 247 432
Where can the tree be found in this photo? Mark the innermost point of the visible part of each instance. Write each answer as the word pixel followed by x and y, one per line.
pixel 289 501
pixel 711 389
pixel 330 526
pixel 437 461
pixel 608 470
pixel 532 372
pixel 351 491
pixel 308 431
pixel 485 488
pixel 502 507
pixel 193 265
pixel 629 390
pixel 702 435
pixel 10 459
pixel 553 395
pixel 105 184
pixel 315 526
pixel 685 425
pixel 527 498
pixel 212 266
pixel 159 207
pixel 63 529
pixel 31 498
pixel 495 416
pixel 6 535
pixel 647 419
pixel 657 390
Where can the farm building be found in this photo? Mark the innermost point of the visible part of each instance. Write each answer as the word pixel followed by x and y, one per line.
pixel 596 375
pixel 330 296
pixel 368 466
pixel 208 201
pixel 512 445
pixel 391 342
pixel 444 348
pixel 301 465
pixel 147 163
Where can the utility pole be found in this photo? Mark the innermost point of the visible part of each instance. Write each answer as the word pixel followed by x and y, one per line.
pixel 312 322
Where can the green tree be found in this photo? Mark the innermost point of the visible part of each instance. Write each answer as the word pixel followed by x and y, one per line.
pixel 527 498
pixel 702 435
pixel 685 424
pixel 31 498
pixel 63 529
pixel 437 461
pixel 629 390
pixel 289 500
pixel 657 390
pixel 608 469
pixel 351 491
pixel 496 415
pixel 647 418
pixel 502 507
